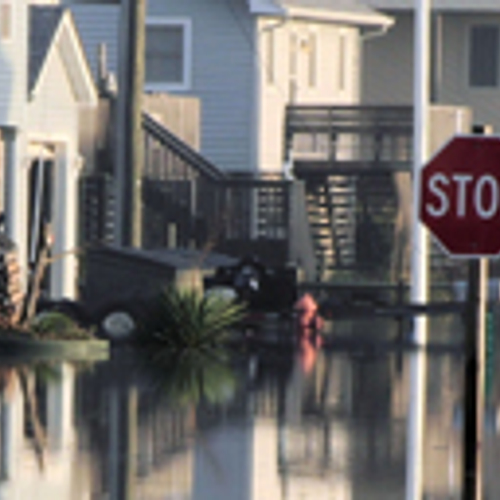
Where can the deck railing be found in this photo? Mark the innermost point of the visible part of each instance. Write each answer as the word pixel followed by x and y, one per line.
pixel 349 137
pixel 189 200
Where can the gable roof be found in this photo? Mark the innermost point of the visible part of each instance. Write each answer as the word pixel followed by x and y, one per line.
pixel 44 22
pixel 335 11
pixel 52 28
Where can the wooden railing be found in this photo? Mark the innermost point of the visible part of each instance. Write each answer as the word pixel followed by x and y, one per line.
pixel 348 138
pixel 189 199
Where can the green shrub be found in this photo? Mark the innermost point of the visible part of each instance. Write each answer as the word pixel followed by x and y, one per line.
pixel 187 319
pixel 53 325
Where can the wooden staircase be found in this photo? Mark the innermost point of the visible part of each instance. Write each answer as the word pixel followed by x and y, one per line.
pixel 331 206
pixel 349 188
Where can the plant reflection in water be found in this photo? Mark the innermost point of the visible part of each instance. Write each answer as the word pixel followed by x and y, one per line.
pixel 190 377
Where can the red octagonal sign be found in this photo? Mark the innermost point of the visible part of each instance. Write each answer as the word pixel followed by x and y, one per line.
pixel 460 196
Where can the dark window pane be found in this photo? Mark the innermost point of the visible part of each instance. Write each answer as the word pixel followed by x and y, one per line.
pixel 483 56
pixel 164 54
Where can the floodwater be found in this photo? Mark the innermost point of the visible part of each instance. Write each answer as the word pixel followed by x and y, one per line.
pixel 260 424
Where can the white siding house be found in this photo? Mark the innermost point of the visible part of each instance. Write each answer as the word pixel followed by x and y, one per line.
pixel 465 54
pixel 246 60
pixel 44 85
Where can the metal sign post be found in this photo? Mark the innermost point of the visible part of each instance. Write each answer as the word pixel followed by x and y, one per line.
pixel 474 374
pixel 460 204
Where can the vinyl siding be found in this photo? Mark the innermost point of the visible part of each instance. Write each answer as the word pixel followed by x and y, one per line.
pixel 455 88
pixel 222 76
pixel 52 109
pixel 13 68
pixel 325 90
pixel 98 24
pixel 388 67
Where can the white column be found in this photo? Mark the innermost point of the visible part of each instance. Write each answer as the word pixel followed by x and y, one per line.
pixel 16 193
pixel 64 269
pixel 421 94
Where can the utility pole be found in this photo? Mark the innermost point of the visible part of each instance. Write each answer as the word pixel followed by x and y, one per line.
pixel 129 156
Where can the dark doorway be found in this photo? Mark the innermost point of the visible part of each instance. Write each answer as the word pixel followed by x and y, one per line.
pixel 40 210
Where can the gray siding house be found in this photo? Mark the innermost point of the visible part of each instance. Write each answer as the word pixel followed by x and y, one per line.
pixel 45 85
pixel 246 60
pixel 466 57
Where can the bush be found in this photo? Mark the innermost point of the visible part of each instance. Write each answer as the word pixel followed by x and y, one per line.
pixel 187 319
pixel 53 325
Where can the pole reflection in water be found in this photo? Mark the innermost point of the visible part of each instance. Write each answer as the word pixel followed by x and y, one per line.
pixel 122 442
pixel 12 416
pixel 37 447
pixel 416 425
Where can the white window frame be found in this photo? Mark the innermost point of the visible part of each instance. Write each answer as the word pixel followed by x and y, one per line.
pixel 10 6
pixel 470 84
pixel 186 25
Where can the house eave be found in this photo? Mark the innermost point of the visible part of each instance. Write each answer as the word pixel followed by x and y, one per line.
pixel 362 18
pixel 265 8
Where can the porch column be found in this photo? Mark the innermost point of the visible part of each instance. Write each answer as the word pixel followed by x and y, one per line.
pixel 64 270
pixel 15 193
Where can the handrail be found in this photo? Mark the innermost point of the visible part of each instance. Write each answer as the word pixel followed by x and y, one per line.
pixel 186 153
pixel 349 119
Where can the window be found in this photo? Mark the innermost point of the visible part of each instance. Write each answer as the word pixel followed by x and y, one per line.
pixel 293 66
pixel 312 60
pixel 342 60
pixel 168 54
pixel 5 20
pixel 269 57
pixel 483 56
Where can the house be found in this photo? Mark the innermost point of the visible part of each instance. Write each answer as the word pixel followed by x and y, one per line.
pixel 246 60
pixel 46 93
pixel 465 65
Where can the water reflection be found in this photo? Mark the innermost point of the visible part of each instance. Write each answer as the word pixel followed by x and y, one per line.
pixel 259 425
pixel 190 377
pixel 36 439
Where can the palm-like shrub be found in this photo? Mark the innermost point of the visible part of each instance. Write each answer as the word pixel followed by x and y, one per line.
pixel 187 319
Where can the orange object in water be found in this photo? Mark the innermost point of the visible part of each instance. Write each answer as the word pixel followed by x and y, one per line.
pixel 306 310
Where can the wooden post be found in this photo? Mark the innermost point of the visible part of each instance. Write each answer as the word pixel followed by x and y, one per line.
pixel 474 379
pixel 130 148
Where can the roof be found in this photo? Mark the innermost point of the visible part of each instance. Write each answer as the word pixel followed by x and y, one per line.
pixel 44 22
pixel 335 11
pixel 53 26
pixel 469 6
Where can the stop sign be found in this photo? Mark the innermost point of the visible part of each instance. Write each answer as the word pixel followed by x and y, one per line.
pixel 460 196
